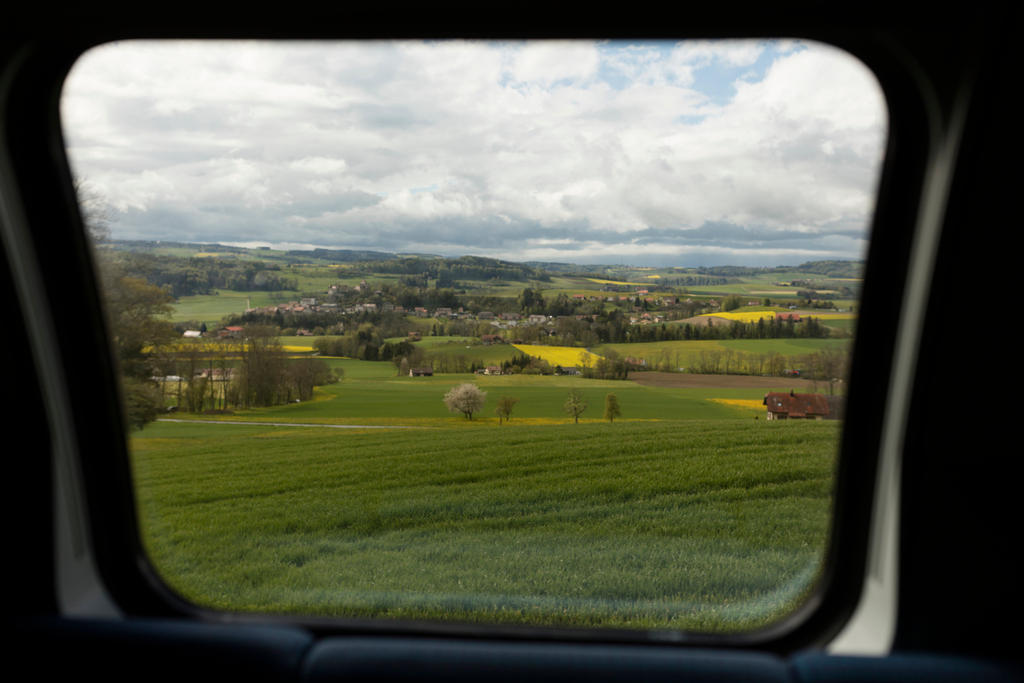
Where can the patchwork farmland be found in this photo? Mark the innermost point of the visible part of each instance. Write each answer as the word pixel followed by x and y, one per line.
pixel 301 456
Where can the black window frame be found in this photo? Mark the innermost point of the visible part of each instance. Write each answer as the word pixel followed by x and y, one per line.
pixel 38 195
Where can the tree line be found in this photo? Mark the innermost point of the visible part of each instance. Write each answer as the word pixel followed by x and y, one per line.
pixel 367 342
pixel 827 365
pixel 613 327
pixel 185 276
pixel 447 270
pixel 468 399
pixel 250 372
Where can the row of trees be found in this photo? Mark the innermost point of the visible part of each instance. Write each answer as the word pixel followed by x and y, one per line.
pixel 250 372
pixel 187 276
pixel 614 327
pixel 575 323
pixel 826 365
pixel 366 342
pixel 214 376
pixel 575 405
pixel 447 270
pixel 136 314
pixel 138 292
pixel 604 327
pixel 469 399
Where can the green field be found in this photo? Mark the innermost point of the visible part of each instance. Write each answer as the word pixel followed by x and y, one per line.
pixel 676 353
pixel 686 354
pixel 437 349
pixel 771 285
pixel 210 308
pixel 373 500
pixel 848 325
pixel 400 398
pixel 685 513
pixel 711 525
pixel 372 392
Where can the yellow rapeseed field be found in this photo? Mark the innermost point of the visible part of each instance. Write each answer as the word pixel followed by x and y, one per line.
pixel 613 282
pixel 219 348
pixel 743 316
pixel 752 316
pixel 749 403
pixel 560 355
pixel 178 347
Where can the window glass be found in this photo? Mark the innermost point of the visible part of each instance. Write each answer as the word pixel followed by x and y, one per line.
pixel 548 333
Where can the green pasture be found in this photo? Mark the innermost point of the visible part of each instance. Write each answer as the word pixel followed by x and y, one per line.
pixel 751 289
pixel 428 343
pixel 846 304
pixel 314 280
pixel 766 284
pixel 346 276
pixel 353 370
pixel 210 308
pixel 686 352
pixel 472 351
pixel 848 325
pixel 371 392
pixel 504 288
pixel 423 325
pixel 785 347
pixel 688 524
pixel 770 286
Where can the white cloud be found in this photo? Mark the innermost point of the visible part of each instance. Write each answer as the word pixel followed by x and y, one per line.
pixel 548 62
pixel 730 53
pixel 318 165
pixel 389 141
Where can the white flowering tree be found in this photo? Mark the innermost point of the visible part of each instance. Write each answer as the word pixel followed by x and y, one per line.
pixel 466 399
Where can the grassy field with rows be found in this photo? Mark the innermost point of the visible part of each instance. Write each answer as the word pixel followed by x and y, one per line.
pixel 712 525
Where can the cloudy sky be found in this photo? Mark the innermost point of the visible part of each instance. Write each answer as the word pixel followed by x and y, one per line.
pixel 752 153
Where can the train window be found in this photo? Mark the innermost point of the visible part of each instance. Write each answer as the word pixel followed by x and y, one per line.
pixel 522 333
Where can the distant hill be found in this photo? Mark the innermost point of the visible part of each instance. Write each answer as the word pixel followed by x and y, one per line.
pixel 836 269
pixel 340 255
pixel 833 269
pixel 149 246
pixel 471 265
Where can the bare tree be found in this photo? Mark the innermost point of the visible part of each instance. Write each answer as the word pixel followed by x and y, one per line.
pixel 575 405
pixel 611 407
pixel 262 367
pixel 306 373
pixel 505 406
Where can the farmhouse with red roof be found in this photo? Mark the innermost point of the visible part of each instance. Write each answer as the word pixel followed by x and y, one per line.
pixel 791 406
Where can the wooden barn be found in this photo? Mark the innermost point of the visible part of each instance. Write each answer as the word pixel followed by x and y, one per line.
pixel 793 406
